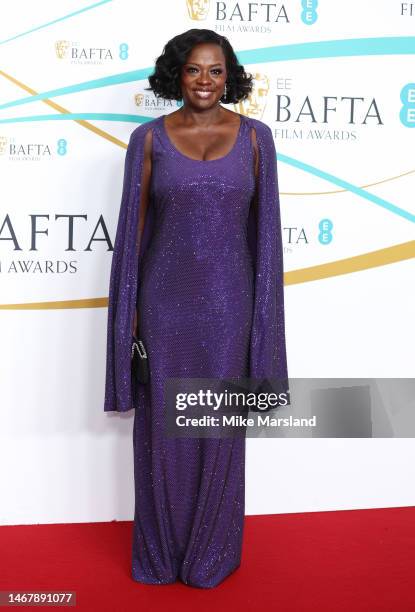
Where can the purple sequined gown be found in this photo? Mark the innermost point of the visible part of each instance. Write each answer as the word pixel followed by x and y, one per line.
pixel 195 301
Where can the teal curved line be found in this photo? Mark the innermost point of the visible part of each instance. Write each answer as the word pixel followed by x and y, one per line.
pixel 73 116
pixel 398 45
pixel 346 185
pixel 280 156
pixel 45 25
pixel 116 79
pixel 385 45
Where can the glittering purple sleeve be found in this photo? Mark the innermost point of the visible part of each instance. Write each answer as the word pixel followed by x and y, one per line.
pixel 123 282
pixel 268 349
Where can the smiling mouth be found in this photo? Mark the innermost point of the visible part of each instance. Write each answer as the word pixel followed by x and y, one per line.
pixel 201 93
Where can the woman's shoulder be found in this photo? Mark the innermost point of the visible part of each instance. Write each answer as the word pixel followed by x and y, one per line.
pixel 138 134
pixel 260 126
pixel 263 132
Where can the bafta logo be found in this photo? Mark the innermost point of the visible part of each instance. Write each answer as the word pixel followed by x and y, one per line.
pixel 61 47
pixel 197 9
pixel 254 105
pixel 3 144
pixel 138 99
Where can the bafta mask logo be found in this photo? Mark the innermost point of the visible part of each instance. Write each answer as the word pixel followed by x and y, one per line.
pixel 138 99
pixel 254 105
pixel 61 47
pixel 3 144
pixel 198 9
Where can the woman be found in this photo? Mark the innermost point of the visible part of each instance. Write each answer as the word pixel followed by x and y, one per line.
pixel 197 273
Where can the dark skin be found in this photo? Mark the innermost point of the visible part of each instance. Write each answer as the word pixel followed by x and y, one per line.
pixel 201 129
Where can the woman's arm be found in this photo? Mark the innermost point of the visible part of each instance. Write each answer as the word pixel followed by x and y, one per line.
pixel 267 346
pixel 144 199
pixel 255 198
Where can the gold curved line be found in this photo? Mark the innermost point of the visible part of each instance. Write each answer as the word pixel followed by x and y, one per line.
pixel 365 261
pixel 373 259
pixel 63 304
pixel 64 111
pixel 387 180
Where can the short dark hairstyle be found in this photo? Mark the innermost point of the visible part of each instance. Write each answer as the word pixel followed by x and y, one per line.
pixel 165 80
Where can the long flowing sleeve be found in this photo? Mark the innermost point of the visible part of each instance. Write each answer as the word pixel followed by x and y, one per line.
pixel 123 282
pixel 267 346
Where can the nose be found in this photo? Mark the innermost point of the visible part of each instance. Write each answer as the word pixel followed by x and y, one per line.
pixel 204 78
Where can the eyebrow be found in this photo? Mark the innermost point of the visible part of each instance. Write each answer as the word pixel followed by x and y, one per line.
pixel 196 64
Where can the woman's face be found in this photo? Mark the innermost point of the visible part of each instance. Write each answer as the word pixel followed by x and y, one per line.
pixel 203 76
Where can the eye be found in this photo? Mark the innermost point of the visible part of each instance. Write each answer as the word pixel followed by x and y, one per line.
pixel 215 70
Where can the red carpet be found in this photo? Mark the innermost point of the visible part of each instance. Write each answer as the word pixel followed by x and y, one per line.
pixel 358 560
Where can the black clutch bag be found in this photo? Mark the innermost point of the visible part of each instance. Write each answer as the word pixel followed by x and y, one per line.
pixel 139 361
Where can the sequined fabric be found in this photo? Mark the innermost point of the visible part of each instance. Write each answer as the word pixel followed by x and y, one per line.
pixel 209 290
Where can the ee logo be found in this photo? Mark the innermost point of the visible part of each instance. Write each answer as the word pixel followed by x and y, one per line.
pixel 309 13
pixel 325 236
pixel 61 148
pixel 123 51
pixel 407 114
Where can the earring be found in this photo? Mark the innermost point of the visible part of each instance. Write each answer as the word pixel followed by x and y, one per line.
pixel 224 92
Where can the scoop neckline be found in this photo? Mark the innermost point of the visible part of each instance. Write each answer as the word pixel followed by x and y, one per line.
pixel 202 161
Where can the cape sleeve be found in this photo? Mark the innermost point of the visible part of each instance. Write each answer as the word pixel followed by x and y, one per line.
pixel 123 282
pixel 267 344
